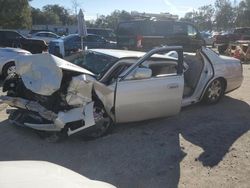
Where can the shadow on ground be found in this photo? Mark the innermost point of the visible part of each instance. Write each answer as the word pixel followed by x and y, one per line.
pixel 146 154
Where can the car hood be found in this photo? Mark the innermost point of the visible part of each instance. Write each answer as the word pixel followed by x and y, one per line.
pixel 16 50
pixel 40 174
pixel 42 73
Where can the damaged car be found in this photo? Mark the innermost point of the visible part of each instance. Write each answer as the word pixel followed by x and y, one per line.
pixel 106 87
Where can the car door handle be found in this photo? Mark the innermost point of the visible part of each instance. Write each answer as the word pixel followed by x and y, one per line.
pixel 173 86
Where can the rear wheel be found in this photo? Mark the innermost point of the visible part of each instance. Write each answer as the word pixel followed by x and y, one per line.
pixel 214 92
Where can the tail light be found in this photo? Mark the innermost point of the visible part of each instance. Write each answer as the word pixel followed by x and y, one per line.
pixel 139 41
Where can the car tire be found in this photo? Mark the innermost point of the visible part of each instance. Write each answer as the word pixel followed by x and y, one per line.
pixel 214 92
pixel 8 69
pixel 104 125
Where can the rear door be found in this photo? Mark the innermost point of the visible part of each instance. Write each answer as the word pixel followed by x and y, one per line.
pixel 152 97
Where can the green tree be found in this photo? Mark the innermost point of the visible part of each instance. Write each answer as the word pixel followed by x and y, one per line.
pixel 57 11
pixel 243 14
pixel 225 16
pixel 203 18
pixel 112 20
pixel 15 14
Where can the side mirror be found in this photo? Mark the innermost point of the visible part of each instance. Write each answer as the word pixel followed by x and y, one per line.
pixel 140 73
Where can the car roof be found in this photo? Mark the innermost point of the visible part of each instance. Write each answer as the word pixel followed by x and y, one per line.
pixel 127 54
pixel 104 29
pixel 8 30
pixel 8 49
pixel 45 32
pixel 68 37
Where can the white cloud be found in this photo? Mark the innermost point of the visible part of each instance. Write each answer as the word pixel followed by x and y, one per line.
pixel 180 10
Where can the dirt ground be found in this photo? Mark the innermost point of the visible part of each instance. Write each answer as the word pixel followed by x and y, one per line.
pixel 204 146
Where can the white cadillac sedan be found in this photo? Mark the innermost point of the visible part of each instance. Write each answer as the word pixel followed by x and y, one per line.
pixel 115 86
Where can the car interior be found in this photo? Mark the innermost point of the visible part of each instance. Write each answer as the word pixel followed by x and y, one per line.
pixel 193 64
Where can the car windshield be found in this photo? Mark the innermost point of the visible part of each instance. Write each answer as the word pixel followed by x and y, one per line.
pixel 96 62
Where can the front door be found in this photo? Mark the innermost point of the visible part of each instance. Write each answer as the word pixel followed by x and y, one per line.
pixel 152 96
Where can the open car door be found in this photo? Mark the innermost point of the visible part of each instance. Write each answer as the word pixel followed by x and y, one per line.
pixel 151 88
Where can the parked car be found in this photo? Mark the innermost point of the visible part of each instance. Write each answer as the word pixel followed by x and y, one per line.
pixel 9 38
pixel 33 31
pixel 42 174
pixel 106 33
pixel 114 86
pixel 7 60
pixel 46 36
pixel 222 41
pixel 144 35
pixel 65 46
pixel 209 39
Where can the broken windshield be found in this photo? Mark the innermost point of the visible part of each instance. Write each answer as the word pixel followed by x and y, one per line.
pixel 96 62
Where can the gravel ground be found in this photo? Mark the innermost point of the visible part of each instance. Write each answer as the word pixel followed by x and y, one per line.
pixel 203 146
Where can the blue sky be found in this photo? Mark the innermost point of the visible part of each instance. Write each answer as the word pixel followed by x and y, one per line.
pixel 93 8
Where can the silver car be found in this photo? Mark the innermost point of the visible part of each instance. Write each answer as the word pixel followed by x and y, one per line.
pixel 115 86
pixel 7 59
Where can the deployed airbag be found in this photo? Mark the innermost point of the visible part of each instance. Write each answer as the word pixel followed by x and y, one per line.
pixel 39 73
pixel 42 73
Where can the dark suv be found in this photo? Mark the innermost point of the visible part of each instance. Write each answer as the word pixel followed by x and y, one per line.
pixel 106 33
pixel 9 38
pixel 147 34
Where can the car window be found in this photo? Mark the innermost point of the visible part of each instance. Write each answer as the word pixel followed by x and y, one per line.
pixel 192 32
pixel 159 28
pixel 52 35
pixel 72 39
pixel 159 67
pixel 12 35
pixel 97 63
pixel 41 34
pixel 94 38
pixel 180 29
pixel 128 28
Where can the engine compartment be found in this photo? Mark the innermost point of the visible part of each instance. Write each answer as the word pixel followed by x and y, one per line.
pixel 56 102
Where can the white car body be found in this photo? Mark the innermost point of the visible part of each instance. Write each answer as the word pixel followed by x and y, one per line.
pixel 41 174
pixel 8 55
pixel 151 86
pixel 46 36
